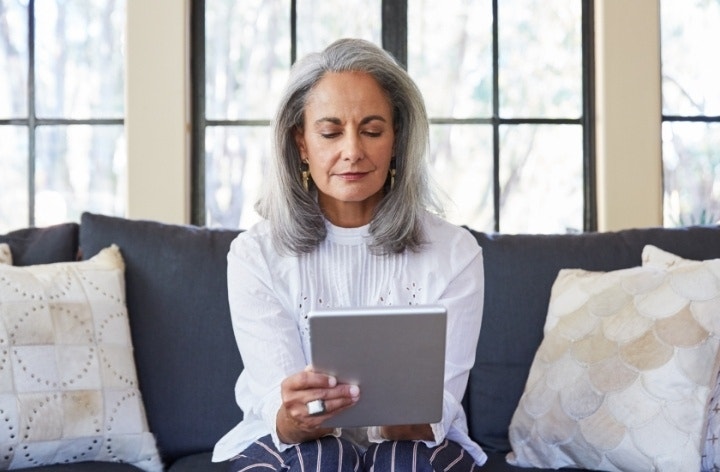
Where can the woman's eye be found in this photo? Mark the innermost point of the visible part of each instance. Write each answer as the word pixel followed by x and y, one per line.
pixel 329 135
pixel 373 134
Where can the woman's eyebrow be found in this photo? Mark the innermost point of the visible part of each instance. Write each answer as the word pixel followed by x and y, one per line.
pixel 329 119
pixel 336 121
pixel 370 118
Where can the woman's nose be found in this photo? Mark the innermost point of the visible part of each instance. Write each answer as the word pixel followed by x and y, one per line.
pixel 352 149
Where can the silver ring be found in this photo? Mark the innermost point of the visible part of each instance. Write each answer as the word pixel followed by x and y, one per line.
pixel 315 407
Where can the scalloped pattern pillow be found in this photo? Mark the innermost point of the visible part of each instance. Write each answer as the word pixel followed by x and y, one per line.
pixel 68 387
pixel 656 257
pixel 625 370
pixel 5 254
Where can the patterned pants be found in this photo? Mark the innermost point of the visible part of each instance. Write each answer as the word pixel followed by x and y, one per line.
pixel 336 454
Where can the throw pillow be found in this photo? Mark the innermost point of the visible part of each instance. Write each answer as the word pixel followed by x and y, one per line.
pixel 5 254
pixel 32 246
pixel 68 387
pixel 655 257
pixel 624 372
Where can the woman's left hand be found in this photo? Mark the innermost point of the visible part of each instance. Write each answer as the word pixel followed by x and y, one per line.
pixel 408 432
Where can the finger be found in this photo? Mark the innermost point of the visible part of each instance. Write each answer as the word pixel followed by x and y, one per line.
pixel 333 400
pixel 308 379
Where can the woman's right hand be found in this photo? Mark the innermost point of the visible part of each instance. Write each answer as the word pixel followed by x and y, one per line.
pixel 294 422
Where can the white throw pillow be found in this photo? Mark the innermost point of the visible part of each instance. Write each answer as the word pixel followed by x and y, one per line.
pixel 656 257
pixel 5 254
pixel 68 387
pixel 625 370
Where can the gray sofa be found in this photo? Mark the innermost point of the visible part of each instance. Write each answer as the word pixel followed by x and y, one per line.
pixel 185 353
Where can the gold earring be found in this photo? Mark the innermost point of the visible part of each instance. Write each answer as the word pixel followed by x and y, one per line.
pixel 392 178
pixel 305 173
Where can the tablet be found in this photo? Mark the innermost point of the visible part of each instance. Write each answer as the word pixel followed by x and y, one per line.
pixel 395 354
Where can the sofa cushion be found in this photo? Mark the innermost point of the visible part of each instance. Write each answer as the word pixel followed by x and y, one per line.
pixel 520 271
pixel 58 243
pixel 496 462
pixel 68 388
pixel 201 462
pixel 623 375
pixel 85 467
pixel 185 351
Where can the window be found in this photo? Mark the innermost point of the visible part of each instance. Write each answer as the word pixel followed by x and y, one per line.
pixel 61 109
pixel 506 86
pixel 691 111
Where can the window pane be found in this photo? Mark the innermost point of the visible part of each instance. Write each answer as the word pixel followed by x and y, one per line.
pixel 690 69
pixel 79 59
pixel 247 57
pixel 450 56
pixel 541 179
pixel 320 22
pixel 540 48
pixel 79 168
pixel 13 178
pixel 462 167
pixel 691 160
pixel 13 59
pixel 236 159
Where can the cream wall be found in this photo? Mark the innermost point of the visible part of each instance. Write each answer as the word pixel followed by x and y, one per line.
pixel 157 120
pixel 629 167
pixel 628 120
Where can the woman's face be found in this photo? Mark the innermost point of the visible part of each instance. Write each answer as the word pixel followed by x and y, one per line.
pixel 347 140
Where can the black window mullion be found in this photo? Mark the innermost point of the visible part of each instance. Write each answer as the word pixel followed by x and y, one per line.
pixel 293 31
pixel 395 29
pixel 32 121
pixel 197 78
pixel 496 113
pixel 588 91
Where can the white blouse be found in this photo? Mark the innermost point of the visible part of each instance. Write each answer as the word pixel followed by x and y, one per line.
pixel 270 296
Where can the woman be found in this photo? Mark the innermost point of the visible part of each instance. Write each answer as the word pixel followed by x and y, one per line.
pixel 346 224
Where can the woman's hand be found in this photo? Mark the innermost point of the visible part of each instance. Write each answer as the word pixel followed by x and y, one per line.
pixel 408 432
pixel 294 423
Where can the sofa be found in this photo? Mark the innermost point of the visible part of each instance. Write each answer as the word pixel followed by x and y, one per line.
pixel 185 354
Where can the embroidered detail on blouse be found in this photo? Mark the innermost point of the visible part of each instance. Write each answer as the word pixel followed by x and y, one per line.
pixel 414 294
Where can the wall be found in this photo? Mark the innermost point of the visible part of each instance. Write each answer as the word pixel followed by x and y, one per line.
pixel 629 167
pixel 628 120
pixel 157 120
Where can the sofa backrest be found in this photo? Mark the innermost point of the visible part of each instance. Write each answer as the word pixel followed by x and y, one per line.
pixel 188 362
pixel 519 274
pixel 185 352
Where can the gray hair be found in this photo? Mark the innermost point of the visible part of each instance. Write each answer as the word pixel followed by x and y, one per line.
pixel 297 223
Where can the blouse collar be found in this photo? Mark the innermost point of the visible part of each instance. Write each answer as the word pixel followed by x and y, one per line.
pixel 340 235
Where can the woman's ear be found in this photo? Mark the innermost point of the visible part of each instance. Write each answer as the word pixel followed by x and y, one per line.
pixel 300 141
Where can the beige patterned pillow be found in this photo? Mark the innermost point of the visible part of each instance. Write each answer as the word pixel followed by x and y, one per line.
pixel 623 375
pixel 653 256
pixel 68 387
pixel 5 254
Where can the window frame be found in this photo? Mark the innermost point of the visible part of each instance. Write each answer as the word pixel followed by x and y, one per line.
pixel 32 122
pixel 394 40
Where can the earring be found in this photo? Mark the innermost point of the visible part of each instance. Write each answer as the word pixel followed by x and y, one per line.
pixel 392 172
pixel 305 173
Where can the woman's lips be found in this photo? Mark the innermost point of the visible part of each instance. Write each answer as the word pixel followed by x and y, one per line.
pixel 352 175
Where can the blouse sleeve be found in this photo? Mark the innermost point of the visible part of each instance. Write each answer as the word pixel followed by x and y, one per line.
pixel 266 334
pixel 463 299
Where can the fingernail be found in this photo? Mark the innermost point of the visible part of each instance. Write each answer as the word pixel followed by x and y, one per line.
pixel 332 381
pixel 354 391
